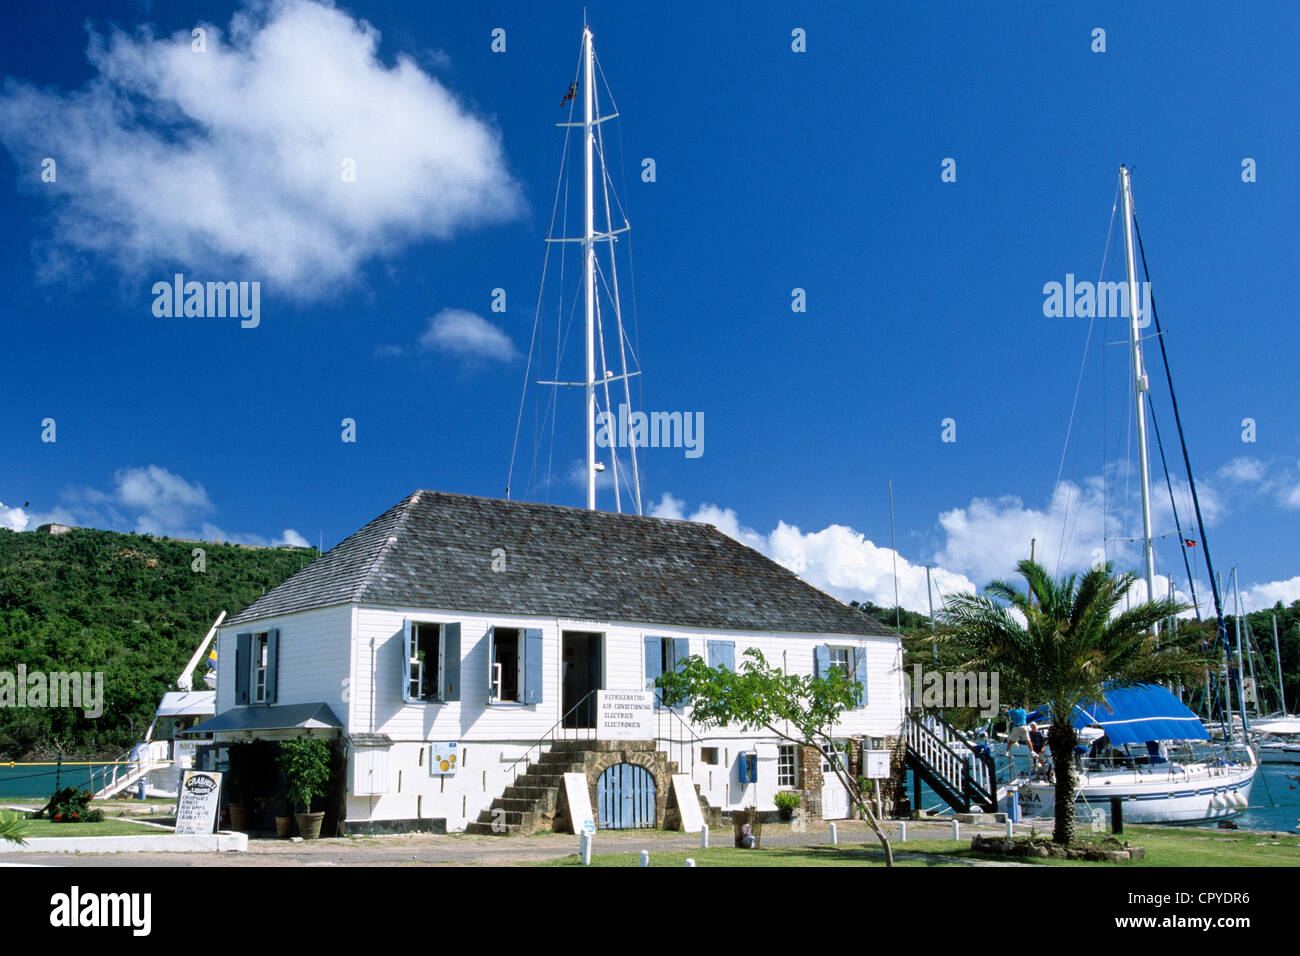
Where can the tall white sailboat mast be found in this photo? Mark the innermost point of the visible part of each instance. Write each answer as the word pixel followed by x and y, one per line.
pixel 589 251
pixel 1140 384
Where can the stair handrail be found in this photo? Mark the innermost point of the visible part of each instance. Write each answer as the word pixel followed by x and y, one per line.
pixel 952 767
pixel 549 737
pixel 682 743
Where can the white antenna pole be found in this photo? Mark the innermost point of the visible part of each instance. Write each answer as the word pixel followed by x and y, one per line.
pixel 1277 654
pixel 1140 388
pixel 589 258
pixel 893 547
pixel 1241 676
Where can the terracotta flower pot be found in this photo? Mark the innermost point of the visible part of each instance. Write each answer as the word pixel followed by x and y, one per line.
pixel 239 815
pixel 284 827
pixel 309 824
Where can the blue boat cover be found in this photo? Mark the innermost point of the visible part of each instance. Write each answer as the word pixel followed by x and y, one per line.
pixel 1138 714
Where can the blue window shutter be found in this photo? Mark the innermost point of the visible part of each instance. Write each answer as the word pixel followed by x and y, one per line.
pixel 722 654
pixel 822 660
pixel 243 666
pixel 272 662
pixel 533 665
pixel 654 665
pixel 451 661
pixel 492 662
pixel 407 653
pixel 681 651
pixel 860 673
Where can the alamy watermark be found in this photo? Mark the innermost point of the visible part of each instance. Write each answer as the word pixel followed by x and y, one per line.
pixel 62 689
pixel 1102 300
pixel 935 688
pixel 213 300
pixel 655 430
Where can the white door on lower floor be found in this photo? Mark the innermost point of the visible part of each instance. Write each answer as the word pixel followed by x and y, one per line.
pixel 835 797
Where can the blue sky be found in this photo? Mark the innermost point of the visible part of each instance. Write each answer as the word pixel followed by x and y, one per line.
pixel 775 170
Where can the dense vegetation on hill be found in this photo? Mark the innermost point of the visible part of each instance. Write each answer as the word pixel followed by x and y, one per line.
pixel 131 606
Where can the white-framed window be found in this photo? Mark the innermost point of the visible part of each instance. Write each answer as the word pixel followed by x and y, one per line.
pixel 840 749
pixel 787 771
pixel 260 658
pixel 426 661
pixel 505 684
pixel 842 657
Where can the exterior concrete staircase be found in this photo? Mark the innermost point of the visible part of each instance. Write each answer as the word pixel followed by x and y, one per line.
pixel 532 803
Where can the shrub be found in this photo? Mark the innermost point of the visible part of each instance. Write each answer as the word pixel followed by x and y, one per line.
pixel 786 800
pixel 305 763
pixel 69 805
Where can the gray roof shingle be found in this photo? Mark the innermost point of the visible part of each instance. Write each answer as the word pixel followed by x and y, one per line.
pixel 435 550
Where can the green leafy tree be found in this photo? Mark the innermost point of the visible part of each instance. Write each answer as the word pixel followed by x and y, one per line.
pixel 799 708
pixel 305 764
pixel 1062 644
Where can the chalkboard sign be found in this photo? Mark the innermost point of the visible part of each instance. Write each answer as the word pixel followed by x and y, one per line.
pixel 196 805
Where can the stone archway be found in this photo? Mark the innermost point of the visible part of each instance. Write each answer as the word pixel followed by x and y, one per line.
pixel 639 754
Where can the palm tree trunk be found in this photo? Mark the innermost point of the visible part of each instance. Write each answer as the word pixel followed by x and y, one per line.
pixel 1062 740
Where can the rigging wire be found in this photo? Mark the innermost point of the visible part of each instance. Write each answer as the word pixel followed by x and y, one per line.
pixel 1182 439
pixel 560 178
pixel 1078 386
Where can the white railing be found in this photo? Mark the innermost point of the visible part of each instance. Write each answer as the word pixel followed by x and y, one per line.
pixel 948 753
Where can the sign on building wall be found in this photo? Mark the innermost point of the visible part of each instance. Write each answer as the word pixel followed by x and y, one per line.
pixel 443 758
pixel 196 805
pixel 625 715
pixel 877 764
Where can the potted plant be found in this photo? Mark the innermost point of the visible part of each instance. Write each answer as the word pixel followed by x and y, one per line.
pixel 305 764
pixel 786 801
pixel 283 817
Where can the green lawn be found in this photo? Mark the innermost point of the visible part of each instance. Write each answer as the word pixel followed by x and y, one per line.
pixel 110 826
pixel 1165 846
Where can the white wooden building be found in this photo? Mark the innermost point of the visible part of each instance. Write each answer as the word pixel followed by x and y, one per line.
pixel 481 628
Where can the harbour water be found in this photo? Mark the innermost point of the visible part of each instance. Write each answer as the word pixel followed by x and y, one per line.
pixel 1274 800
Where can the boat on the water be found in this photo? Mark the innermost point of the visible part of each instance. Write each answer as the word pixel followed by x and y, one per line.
pixel 1155 756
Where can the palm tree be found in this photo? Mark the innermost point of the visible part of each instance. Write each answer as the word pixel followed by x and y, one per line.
pixel 1062 644
pixel 11 829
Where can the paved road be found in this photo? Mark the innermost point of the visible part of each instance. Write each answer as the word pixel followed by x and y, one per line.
pixel 460 849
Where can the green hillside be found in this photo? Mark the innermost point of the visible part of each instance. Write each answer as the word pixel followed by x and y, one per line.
pixel 131 606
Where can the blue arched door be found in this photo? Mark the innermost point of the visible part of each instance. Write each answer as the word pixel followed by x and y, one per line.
pixel 625 797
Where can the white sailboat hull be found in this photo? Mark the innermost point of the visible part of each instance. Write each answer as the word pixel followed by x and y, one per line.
pixel 1177 795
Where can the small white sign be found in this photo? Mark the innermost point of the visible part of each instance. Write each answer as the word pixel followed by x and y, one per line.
pixel 443 758
pixel 625 715
pixel 196 804
pixel 877 762
pixel 579 798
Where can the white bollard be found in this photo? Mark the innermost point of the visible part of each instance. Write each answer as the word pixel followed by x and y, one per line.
pixel 835 837
pixel 584 848
pixel 704 837
pixel 645 857
pixel 1011 828
pixel 902 831
pixel 956 830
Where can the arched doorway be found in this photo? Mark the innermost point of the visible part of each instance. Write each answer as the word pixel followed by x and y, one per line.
pixel 625 797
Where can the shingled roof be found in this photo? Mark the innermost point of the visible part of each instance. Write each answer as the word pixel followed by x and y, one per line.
pixel 435 550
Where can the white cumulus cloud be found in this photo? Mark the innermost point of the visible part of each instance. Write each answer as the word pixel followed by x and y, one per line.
pixel 837 559
pixel 233 161
pixel 467 335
